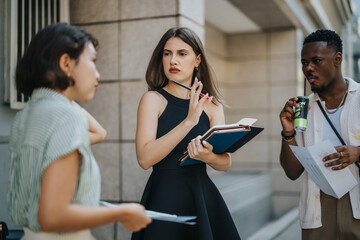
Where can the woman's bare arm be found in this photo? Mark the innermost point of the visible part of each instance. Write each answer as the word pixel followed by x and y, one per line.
pixel 57 213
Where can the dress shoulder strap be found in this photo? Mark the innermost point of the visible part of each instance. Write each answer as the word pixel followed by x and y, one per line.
pixel 164 93
pixel 172 99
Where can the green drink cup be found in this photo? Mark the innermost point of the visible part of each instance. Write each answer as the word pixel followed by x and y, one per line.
pixel 300 119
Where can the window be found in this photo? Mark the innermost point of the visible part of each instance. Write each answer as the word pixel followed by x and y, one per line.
pixel 23 19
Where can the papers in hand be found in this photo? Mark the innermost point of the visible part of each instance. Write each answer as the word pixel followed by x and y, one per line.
pixel 170 217
pixel 247 121
pixel 334 183
pixel 162 216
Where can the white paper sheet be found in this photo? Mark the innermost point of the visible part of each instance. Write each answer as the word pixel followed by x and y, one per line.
pixel 335 183
pixel 162 216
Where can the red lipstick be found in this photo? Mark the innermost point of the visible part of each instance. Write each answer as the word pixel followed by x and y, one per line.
pixel 174 70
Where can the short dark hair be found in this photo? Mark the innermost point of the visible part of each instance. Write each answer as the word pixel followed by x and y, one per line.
pixel 39 66
pixel 155 76
pixel 325 35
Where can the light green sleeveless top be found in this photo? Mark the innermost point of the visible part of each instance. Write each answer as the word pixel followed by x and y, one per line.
pixel 49 127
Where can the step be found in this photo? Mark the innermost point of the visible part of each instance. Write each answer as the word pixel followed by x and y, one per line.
pixel 248 197
pixel 284 228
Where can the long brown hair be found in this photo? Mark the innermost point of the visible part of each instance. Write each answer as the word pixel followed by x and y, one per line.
pixel 155 75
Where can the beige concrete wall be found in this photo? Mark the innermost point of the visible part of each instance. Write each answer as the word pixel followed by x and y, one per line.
pixel 257 73
pixel 128 31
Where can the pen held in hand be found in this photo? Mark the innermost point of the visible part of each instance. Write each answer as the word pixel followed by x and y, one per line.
pixel 188 88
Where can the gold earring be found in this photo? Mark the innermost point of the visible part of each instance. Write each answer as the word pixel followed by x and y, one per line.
pixel 68 75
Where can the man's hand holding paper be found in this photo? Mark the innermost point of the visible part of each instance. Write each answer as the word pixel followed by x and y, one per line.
pixel 334 183
pixel 345 155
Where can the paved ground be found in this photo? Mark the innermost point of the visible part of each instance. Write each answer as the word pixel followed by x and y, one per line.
pixel 293 232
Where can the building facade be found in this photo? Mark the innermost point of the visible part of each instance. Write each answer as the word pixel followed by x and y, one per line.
pixel 252 46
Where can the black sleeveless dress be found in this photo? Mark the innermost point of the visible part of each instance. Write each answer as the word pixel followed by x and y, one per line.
pixel 185 190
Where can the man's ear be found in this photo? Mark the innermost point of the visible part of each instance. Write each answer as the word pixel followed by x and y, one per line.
pixel 338 59
pixel 65 64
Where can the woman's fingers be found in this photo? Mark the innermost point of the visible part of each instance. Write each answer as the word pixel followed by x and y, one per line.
pixel 194 90
pixel 194 147
pixel 198 89
pixel 195 98
pixel 206 101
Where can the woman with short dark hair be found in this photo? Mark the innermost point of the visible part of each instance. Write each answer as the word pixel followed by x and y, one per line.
pixel 54 187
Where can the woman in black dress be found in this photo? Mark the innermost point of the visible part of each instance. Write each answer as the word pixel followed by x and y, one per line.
pixel 170 121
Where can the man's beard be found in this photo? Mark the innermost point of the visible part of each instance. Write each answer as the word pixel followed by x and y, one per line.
pixel 318 89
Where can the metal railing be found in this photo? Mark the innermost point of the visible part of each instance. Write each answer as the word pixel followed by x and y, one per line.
pixel 23 19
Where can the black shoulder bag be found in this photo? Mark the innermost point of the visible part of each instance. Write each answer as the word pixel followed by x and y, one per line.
pixel 335 131
pixel 3 231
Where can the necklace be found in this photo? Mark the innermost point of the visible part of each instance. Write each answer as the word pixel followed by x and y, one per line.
pixel 332 111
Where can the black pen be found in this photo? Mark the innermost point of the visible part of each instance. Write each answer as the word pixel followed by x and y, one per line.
pixel 188 88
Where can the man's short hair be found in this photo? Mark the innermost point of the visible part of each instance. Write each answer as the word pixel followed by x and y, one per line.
pixel 325 35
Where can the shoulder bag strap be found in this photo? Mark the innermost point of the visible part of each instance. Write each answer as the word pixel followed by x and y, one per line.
pixel 334 129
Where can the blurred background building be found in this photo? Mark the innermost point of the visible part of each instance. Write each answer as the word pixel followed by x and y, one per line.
pixel 254 49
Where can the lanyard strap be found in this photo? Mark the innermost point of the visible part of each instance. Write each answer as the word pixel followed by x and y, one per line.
pixel 335 131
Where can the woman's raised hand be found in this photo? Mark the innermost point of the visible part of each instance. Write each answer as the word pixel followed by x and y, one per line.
pixel 196 106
